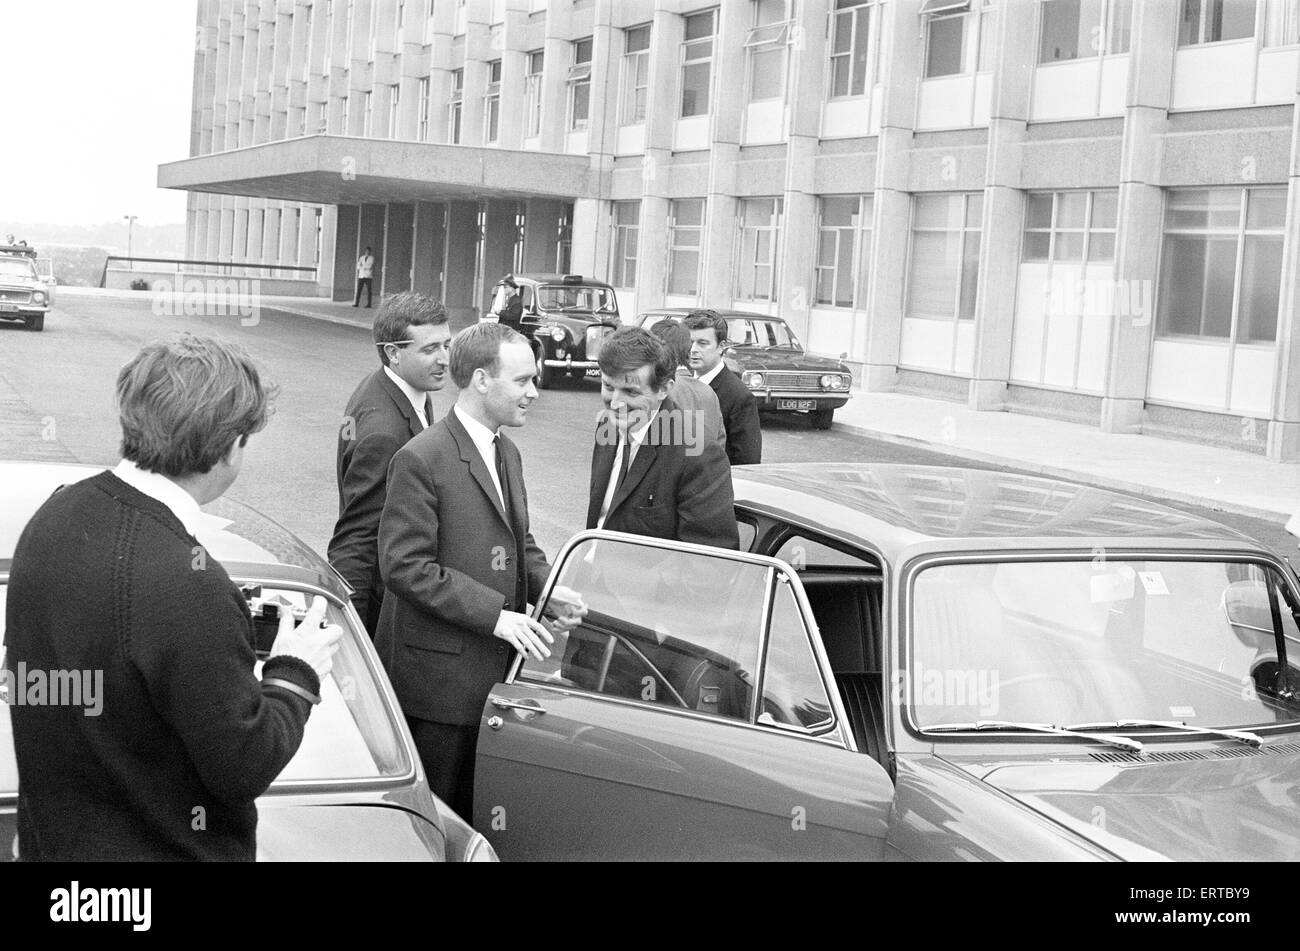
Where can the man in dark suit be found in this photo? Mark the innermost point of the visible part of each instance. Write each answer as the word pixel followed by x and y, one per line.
pixel 740 412
pixel 389 407
pixel 651 473
pixel 459 561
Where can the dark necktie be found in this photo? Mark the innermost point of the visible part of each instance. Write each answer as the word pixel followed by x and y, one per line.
pixel 428 410
pixel 625 462
pixel 501 477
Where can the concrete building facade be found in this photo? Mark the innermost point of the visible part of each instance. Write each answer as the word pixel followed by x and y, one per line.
pixel 1087 209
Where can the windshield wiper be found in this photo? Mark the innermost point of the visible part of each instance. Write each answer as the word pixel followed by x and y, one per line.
pixel 1242 735
pixel 1123 742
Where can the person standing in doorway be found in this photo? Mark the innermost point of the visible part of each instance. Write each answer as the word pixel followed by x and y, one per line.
pixel 365 274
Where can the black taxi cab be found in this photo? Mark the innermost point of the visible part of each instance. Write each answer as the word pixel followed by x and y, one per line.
pixel 566 318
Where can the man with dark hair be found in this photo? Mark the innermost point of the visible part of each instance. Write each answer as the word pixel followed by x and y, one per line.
pixel 739 411
pixel 105 578
pixel 507 303
pixel 459 560
pixel 647 476
pixel 390 406
pixel 694 398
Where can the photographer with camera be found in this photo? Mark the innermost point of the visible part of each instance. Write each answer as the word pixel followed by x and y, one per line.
pixel 110 576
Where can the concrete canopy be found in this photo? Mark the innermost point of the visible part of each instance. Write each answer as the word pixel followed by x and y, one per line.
pixel 334 170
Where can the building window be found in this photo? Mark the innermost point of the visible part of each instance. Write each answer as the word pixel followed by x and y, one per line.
pixel 1070 227
pixel 399 25
pixel 533 94
pixel 322 117
pixel 423 132
pixel 345 115
pixel 945 259
pixel 843 249
pixel 760 226
pixel 766 49
pixel 959 37
pixel 1221 265
pixel 627 218
pixel 685 238
pixel 1281 22
pixel 1215 21
pixel 394 108
pixel 454 105
pixel 850 39
pixel 492 102
pixel 1081 29
pixel 636 75
pixel 351 20
pixel 697 63
pixel 580 85
pixel 320 235
pixel 368 119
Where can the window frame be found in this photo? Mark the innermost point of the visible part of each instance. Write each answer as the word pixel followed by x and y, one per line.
pixel 859 272
pixel 697 249
pixel 579 76
pixel 758 43
pixel 492 103
pixel 870 60
pixel 1205 20
pixel 620 261
pixel 773 227
pixel 456 106
pixel 974 13
pixel 634 87
pixel 686 61
pixel 1107 26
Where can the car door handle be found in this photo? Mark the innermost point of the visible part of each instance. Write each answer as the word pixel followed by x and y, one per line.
pixel 529 704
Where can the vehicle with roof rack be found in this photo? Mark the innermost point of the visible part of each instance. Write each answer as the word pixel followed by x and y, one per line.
pixel 26 295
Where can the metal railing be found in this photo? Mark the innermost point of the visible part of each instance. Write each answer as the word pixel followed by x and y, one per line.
pixel 221 267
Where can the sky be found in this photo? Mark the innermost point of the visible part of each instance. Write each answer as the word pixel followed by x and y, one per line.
pixel 101 90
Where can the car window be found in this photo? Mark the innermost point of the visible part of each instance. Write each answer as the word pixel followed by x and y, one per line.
pixel 800 552
pixel 562 297
pixel 13 267
pixel 349 735
pixel 793 693
pixel 746 332
pixel 663 627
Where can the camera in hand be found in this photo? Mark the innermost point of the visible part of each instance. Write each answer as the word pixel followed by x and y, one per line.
pixel 266 610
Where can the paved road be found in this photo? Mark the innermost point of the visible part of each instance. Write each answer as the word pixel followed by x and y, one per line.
pixel 56 403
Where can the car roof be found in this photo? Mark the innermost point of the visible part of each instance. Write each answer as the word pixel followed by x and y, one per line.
pixel 683 311
pixel 901 508
pixel 248 545
pixel 534 278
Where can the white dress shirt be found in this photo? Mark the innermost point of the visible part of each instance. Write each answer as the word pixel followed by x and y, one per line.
pixel 416 397
pixel 708 377
pixel 162 489
pixel 485 443
pixel 633 443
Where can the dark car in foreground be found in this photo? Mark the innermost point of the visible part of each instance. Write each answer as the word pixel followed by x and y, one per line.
pixel 566 318
pixel 767 356
pixel 355 790
pixel 909 662
pixel 25 295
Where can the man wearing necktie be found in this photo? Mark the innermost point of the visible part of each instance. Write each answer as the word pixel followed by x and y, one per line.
pixel 390 406
pixel 459 561
pixel 653 472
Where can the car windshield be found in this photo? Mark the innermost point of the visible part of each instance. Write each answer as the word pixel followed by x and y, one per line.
pixel 1205 643
pixel 566 297
pixel 14 267
pixel 349 736
pixel 744 332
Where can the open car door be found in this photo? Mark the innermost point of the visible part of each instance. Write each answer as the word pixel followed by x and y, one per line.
pixel 691 716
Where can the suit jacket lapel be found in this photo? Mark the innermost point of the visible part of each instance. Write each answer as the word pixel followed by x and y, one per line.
pixel 470 455
pixel 655 438
pixel 602 459
pixel 403 404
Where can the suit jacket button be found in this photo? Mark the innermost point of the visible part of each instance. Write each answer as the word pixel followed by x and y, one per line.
pixel 501 648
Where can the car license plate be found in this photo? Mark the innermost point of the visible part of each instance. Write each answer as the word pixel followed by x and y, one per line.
pixel 796 404
pixel 9 308
pixel 593 373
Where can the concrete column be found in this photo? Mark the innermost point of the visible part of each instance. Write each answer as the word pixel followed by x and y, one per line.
pixel 1003 213
pixel 242 223
pixel 345 252
pixel 290 231
pixel 893 202
pixel 1284 428
pixel 726 117
pixel 430 248
pixel 1141 203
pixel 270 253
pixel 514 66
pixel 652 252
pixel 212 243
pixel 478 51
pixel 558 53
pixel 806 73
pixel 541 221
pixel 591 221
pixel 462 242
pixel 441 67
pixel 398 247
